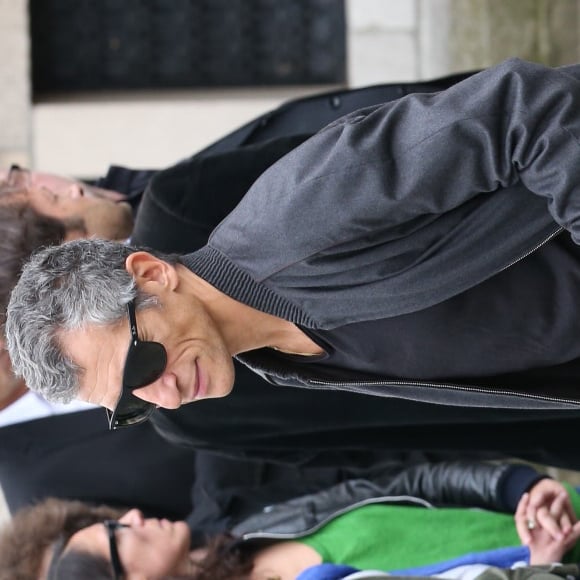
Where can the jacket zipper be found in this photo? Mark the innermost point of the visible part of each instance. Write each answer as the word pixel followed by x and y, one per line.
pixel 534 249
pixel 336 514
pixel 359 387
pixel 467 388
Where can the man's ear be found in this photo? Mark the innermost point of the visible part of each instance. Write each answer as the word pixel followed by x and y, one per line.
pixel 148 269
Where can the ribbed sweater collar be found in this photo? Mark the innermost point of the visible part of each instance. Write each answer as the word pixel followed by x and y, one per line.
pixel 219 271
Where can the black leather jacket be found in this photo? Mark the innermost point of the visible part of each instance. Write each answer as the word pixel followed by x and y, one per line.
pixel 493 487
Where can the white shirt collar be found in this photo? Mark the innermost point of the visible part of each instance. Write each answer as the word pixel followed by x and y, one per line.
pixel 32 406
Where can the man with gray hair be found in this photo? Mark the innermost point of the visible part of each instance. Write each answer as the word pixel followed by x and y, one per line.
pixel 408 252
pixel 44 445
pixel 177 209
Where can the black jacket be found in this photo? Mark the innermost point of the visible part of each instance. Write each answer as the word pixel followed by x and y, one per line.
pixel 492 487
pixel 50 457
pixel 286 424
pixel 399 207
pixel 74 456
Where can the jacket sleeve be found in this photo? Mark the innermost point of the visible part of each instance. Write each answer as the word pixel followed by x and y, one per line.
pixel 406 162
pixel 496 487
pixel 517 122
pixel 185 202
pixel 441 484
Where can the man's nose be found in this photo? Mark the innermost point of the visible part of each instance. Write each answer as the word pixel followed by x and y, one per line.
pixel 164 392
pixel 75 191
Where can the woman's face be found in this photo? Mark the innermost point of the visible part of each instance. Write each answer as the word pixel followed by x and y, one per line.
pixel 148 548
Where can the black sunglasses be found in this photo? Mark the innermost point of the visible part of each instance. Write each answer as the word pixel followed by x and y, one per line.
pixel 144 364
pixel 112 526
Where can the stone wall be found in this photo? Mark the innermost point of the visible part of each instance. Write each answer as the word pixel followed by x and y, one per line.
pixel 15 106
pixel 420 39
pixel 484 32
pixel 388 41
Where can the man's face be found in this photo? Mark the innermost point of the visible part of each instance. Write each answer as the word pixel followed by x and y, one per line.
pixel 102 211
pixel 199 365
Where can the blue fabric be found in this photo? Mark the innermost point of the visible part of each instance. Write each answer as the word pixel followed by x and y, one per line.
pixel 326 572
pixel 501 557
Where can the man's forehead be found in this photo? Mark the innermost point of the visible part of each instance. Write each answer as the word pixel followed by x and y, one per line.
pixel 72 342
pixel 93 349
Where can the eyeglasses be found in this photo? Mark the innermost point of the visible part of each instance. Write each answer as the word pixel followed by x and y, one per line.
pixel 112 526
pixel 60 545
pixel 144 364
pixel 17 179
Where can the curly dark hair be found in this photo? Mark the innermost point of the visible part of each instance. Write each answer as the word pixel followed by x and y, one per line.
pixel 227 559
pixel 33 530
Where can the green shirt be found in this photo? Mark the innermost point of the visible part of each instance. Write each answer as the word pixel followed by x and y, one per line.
pixel 388 537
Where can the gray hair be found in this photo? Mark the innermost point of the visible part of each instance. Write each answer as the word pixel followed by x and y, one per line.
pixel 64 288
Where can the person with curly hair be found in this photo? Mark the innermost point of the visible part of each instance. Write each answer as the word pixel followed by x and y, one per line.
pixel 398 526
pixel 25 540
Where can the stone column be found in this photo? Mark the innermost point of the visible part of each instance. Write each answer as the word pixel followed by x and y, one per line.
pixel 382 41
pixel 15 90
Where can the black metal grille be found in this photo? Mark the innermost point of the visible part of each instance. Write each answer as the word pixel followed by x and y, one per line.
pixel 133 44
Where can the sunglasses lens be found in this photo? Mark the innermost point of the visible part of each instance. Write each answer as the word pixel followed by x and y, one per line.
pixel 145 363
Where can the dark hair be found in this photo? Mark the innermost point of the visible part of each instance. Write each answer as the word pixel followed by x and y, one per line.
pixel 33 530
pixel 227 559
pixel 76 564
pixel 23 231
